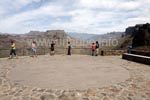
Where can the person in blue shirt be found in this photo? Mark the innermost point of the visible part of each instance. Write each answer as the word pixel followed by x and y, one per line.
pixel 129 49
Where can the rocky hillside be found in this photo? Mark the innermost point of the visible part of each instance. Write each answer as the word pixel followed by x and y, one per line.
pixel 81 36
pixel 42 38
pixel 106 40
pixel 45 38
pixel 141 35
pixel 111 35
pixel 5 40
pixel 138 36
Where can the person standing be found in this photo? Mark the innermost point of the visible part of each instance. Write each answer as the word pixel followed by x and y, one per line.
pixel 97 48
pixel 69 49
pixel 52 49
pixel 33 49
pixel 129 49
pixel 93 48
pixel 13 50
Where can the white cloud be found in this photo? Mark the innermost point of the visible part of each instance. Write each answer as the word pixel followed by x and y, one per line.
pixel 2 11
pixel 91 16
pixel 127 6
pixel 139 20
pixel 18 20
pixel 97 3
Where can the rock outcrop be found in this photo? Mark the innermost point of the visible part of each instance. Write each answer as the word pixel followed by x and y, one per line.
pixel 138 36
pixel 130 30
pixel 141 35
pixel 23 41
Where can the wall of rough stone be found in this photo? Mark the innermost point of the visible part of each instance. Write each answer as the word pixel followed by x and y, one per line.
pixel 136 58
pixel 43 51
pixel 112 52
pixel 143 53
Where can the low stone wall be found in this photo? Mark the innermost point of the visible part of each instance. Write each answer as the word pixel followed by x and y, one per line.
pixel 112 52
pixel 136 58
pixel 43 51
pixel 143 53
pixel 4 53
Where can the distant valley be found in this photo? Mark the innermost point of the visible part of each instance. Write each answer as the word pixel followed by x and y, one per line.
pixel 138 35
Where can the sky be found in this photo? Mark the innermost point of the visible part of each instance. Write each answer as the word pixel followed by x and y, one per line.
pixel 82 16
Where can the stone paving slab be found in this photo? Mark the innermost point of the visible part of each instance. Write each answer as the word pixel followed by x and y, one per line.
pixel 65 72
pixel 136 87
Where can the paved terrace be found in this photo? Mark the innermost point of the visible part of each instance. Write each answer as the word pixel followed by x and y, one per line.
pixel 74 77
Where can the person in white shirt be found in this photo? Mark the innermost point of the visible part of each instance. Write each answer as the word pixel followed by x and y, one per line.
pixel 33 49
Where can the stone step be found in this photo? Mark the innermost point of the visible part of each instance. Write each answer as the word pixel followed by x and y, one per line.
pixel 137 58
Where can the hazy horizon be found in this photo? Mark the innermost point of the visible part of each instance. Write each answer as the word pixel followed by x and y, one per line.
pixel 65 32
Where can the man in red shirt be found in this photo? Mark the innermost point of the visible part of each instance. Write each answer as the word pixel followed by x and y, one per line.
pixel 93 47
